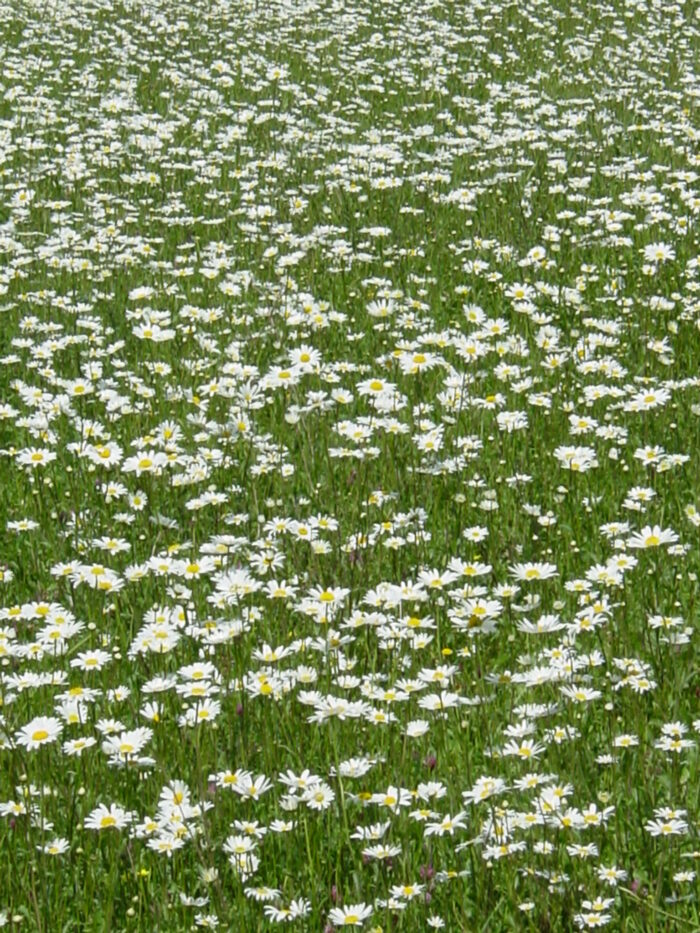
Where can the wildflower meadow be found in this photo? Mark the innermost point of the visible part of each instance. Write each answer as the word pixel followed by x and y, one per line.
pixel 349 465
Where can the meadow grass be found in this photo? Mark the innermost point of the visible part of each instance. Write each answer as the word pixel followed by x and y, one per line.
pixel 350 449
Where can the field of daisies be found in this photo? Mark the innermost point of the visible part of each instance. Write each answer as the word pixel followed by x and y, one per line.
pixel 349 465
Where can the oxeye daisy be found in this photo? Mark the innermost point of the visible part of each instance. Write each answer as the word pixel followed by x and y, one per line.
pixel 533 571
pixel 353 915
pixel 127 744
pixel 43 730
pixel 111 817
pixel 659 252
pixel 318 797
pixel 666 827
pixel 35 457
pixel 57 846
pixel 75 747
pixel 330 396
pixel 652 537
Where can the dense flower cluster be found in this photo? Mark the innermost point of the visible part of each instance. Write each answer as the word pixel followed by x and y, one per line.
pixel 348 432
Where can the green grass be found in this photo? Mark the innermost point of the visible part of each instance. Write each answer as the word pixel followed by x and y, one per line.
pixel 349 435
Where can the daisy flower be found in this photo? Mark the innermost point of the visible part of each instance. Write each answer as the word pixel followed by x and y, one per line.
pixel 533 571
pixel 111 817
pixel 651 537
pixel 35 457
pixel 354 915
pixel 57 846
pixel 42 730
